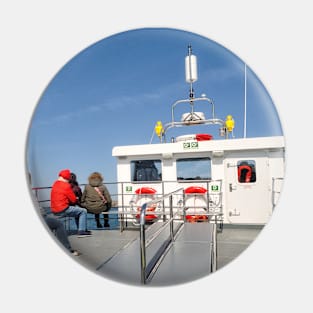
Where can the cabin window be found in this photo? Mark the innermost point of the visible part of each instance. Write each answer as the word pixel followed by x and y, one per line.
pixel 246 171
pixel 194 169
pixel 146 170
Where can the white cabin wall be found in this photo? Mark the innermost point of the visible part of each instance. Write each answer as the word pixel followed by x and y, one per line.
pixel 220 155
pixel 123 170
pixel 277 164
pixel 169 170
pixel 217 168
pixel 277 173
pixel 123 175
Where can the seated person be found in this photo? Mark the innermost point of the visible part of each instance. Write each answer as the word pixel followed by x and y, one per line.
pixel 58 228
pixel 63 201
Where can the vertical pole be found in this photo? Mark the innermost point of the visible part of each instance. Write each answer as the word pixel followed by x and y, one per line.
pixel 245 106
pixel 143 243
pixel 171 217
pixel 122 225
pixel 163 202
pixel 214 248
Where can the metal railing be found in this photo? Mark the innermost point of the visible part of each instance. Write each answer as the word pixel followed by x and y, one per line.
pixel 128 207
pixel 169 216
pixel 276 189
pixel 126 211
pixel 146 269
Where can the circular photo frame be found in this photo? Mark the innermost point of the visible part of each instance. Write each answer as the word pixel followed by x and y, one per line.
pixel 155 157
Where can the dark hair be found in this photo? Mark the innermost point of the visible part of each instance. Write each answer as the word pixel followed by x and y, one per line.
pixel 73 180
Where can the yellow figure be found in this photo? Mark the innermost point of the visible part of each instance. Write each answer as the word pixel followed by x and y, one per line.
pixel 159 128
pixel 229 123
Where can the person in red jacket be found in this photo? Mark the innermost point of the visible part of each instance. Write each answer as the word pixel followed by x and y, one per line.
pixel 63 201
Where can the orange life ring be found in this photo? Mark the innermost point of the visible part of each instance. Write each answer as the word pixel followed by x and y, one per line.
pixel 147 191
pixel 199 190
pixel 196 218
pixel 248 173
pixel 195 189
pixel 203 137
pixel 149 217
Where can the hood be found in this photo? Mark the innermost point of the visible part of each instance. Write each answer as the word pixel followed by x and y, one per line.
pixel 95 182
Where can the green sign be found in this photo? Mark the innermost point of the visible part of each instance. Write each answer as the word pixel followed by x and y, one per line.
pixel 129 188
pixel 214 188
pixel 191 145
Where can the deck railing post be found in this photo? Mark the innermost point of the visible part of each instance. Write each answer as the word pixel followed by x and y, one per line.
pixel 143 261
pixel 214 248
pixel 171 218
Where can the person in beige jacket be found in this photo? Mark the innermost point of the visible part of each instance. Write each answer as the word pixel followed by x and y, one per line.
pixel 97 199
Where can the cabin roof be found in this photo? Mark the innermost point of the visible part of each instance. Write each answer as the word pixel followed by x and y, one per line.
pixel 240 144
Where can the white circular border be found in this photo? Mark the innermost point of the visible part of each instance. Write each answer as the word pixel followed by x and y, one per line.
pixel 40 39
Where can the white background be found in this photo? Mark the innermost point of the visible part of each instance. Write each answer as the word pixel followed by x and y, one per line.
pixel 272 37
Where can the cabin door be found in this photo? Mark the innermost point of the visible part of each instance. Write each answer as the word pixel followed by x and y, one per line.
pixel 247 190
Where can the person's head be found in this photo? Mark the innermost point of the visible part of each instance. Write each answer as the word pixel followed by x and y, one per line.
pixel 65 174
pixel 95 178
pixel 73 178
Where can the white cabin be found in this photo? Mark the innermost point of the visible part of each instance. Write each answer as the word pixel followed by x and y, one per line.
pixel 209 163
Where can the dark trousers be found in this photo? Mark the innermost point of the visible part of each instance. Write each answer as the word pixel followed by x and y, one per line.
pixel 57 226
pixel 105 218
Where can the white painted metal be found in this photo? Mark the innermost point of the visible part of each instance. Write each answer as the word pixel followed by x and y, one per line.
pixel 244 203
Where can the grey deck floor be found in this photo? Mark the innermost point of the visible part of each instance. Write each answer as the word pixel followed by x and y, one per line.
pixel 232 241
pixel 99 248
pixel 188 259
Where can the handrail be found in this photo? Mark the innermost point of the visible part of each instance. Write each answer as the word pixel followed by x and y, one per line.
pixel 274 191
pixel 122 200
pixel 142 220
pixel 213 120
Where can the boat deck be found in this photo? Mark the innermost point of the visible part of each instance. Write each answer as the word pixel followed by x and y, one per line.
pixel 189 257
pixel 99 253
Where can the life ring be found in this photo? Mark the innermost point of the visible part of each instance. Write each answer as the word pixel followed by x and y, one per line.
pixel 145 190
pixel 149 191
pixel 196 190
pixel 196 218
pixel 203 137
pixel 197 137
pixel 244 173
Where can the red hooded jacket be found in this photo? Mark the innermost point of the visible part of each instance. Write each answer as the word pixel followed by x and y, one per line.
pixel 62 196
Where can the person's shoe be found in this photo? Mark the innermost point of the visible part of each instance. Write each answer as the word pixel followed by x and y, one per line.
pixel 106 225
pixel 75 253
pixel 84 233
pixel 99 225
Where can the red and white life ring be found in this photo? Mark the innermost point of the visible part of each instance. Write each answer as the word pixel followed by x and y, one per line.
pixel 194 190
pixel 203 137
pixel 248 173
pixel 197 137
pixel 147 192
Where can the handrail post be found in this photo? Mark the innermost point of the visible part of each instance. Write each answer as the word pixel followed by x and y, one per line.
pixel 184 207
pixel 143 261
pixel 171 218
pixel 214 248
pixel 122 226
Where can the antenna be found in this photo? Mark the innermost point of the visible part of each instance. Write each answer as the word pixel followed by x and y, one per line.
pixel 191 70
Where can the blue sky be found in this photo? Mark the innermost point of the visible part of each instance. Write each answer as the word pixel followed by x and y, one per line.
pixel 114 91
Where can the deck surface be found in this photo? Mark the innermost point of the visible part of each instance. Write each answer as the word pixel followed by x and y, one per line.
pixel 189 258
pixel 98 250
